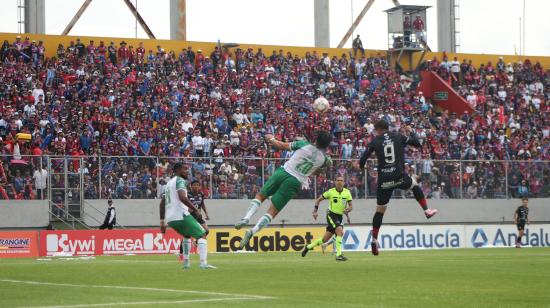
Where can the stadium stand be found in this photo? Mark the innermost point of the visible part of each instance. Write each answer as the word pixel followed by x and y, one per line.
pixel 125 112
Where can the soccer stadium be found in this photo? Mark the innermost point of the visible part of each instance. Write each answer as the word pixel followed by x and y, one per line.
pixel 274 153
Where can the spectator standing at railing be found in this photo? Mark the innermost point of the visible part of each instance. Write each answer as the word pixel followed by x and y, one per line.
pixel 523 189
pixel 472 191
pixel 198 144
pixel 347 149
pixel 40 176
pixel 418 26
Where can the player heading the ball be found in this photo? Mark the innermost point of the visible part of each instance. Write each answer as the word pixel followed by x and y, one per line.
pixel 285 182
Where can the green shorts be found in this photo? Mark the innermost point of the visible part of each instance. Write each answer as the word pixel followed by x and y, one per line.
pixel 188 227
pixel 281 187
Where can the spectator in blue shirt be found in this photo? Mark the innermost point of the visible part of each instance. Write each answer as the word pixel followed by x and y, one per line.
pixel 19 183
pixel 347 149
pixel 144 146
pixel 256 116
pixel 523 190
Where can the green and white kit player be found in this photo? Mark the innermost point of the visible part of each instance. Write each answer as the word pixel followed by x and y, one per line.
pixel 285 182
pixel 175 210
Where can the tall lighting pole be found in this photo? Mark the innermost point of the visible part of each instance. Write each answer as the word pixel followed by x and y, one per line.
pixel 523 27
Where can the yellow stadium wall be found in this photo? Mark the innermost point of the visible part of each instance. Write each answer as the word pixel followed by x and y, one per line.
pixel 478 59
pixel 51 42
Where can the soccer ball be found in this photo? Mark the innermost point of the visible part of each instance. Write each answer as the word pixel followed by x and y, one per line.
pixel 321 105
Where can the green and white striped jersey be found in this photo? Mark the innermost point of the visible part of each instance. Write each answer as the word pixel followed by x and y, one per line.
pixel 175 209
pixel 305 160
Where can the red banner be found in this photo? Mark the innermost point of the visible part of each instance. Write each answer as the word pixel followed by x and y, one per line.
pixel 18 244
pixel 108 242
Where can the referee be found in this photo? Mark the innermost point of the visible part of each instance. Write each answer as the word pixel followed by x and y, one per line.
pixel 521 216
pixel 340 203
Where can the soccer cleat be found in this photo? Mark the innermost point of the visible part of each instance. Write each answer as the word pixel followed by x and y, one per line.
pixel 241 224
pixel 186 265
pixel 430 213
pixel 374 247
pixel 304 252
pixel 518 245
pixel 341 258
pixel 208 266
pixel 246 238
pixel 323 248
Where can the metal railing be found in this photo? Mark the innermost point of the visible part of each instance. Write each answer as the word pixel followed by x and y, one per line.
pixel 141 177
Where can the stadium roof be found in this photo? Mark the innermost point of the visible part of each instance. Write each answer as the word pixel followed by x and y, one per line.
pixel 414 8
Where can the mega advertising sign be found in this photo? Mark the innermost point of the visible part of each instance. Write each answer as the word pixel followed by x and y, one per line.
pixel 108 242
pixel 267 240
pixel 444 236
pixel 18 244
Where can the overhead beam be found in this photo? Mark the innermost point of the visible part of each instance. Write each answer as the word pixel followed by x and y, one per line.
pixel 139 19
pixel 76 17
pixel 355 23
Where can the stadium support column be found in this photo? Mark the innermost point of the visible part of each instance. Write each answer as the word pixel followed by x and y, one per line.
pixel 178 21
pixel 322 25
pixel 446 35
pixel 35 16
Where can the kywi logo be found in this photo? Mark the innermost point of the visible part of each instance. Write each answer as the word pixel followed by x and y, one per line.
pixel 61 243
pixel 479 238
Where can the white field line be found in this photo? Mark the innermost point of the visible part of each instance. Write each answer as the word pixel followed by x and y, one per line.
pixel 134 288
pixel 181 302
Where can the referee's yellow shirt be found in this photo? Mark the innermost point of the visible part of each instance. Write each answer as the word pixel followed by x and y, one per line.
pixel 338 200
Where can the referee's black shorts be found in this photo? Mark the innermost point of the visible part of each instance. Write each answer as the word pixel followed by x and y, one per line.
pixel 387 185
pixel 334 221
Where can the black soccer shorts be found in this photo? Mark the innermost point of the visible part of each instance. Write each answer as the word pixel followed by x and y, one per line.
pixel 386 187
pixel 521 226
pixel 334 221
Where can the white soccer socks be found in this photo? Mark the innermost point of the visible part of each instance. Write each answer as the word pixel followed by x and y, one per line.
pixel 202 246
pixel 186 244
pixel 262 222
pixel 254 205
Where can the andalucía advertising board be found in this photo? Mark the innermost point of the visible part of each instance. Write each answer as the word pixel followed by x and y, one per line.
pixel 506 235
pixel 444 236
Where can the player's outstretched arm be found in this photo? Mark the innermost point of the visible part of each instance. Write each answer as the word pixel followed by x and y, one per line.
pixel 365 156
pixel 162 210
pixel 276 143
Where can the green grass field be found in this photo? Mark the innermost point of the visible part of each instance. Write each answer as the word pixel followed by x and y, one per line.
pixel 434 278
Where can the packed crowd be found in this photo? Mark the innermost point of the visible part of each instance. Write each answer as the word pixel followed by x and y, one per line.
pixel 96 101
